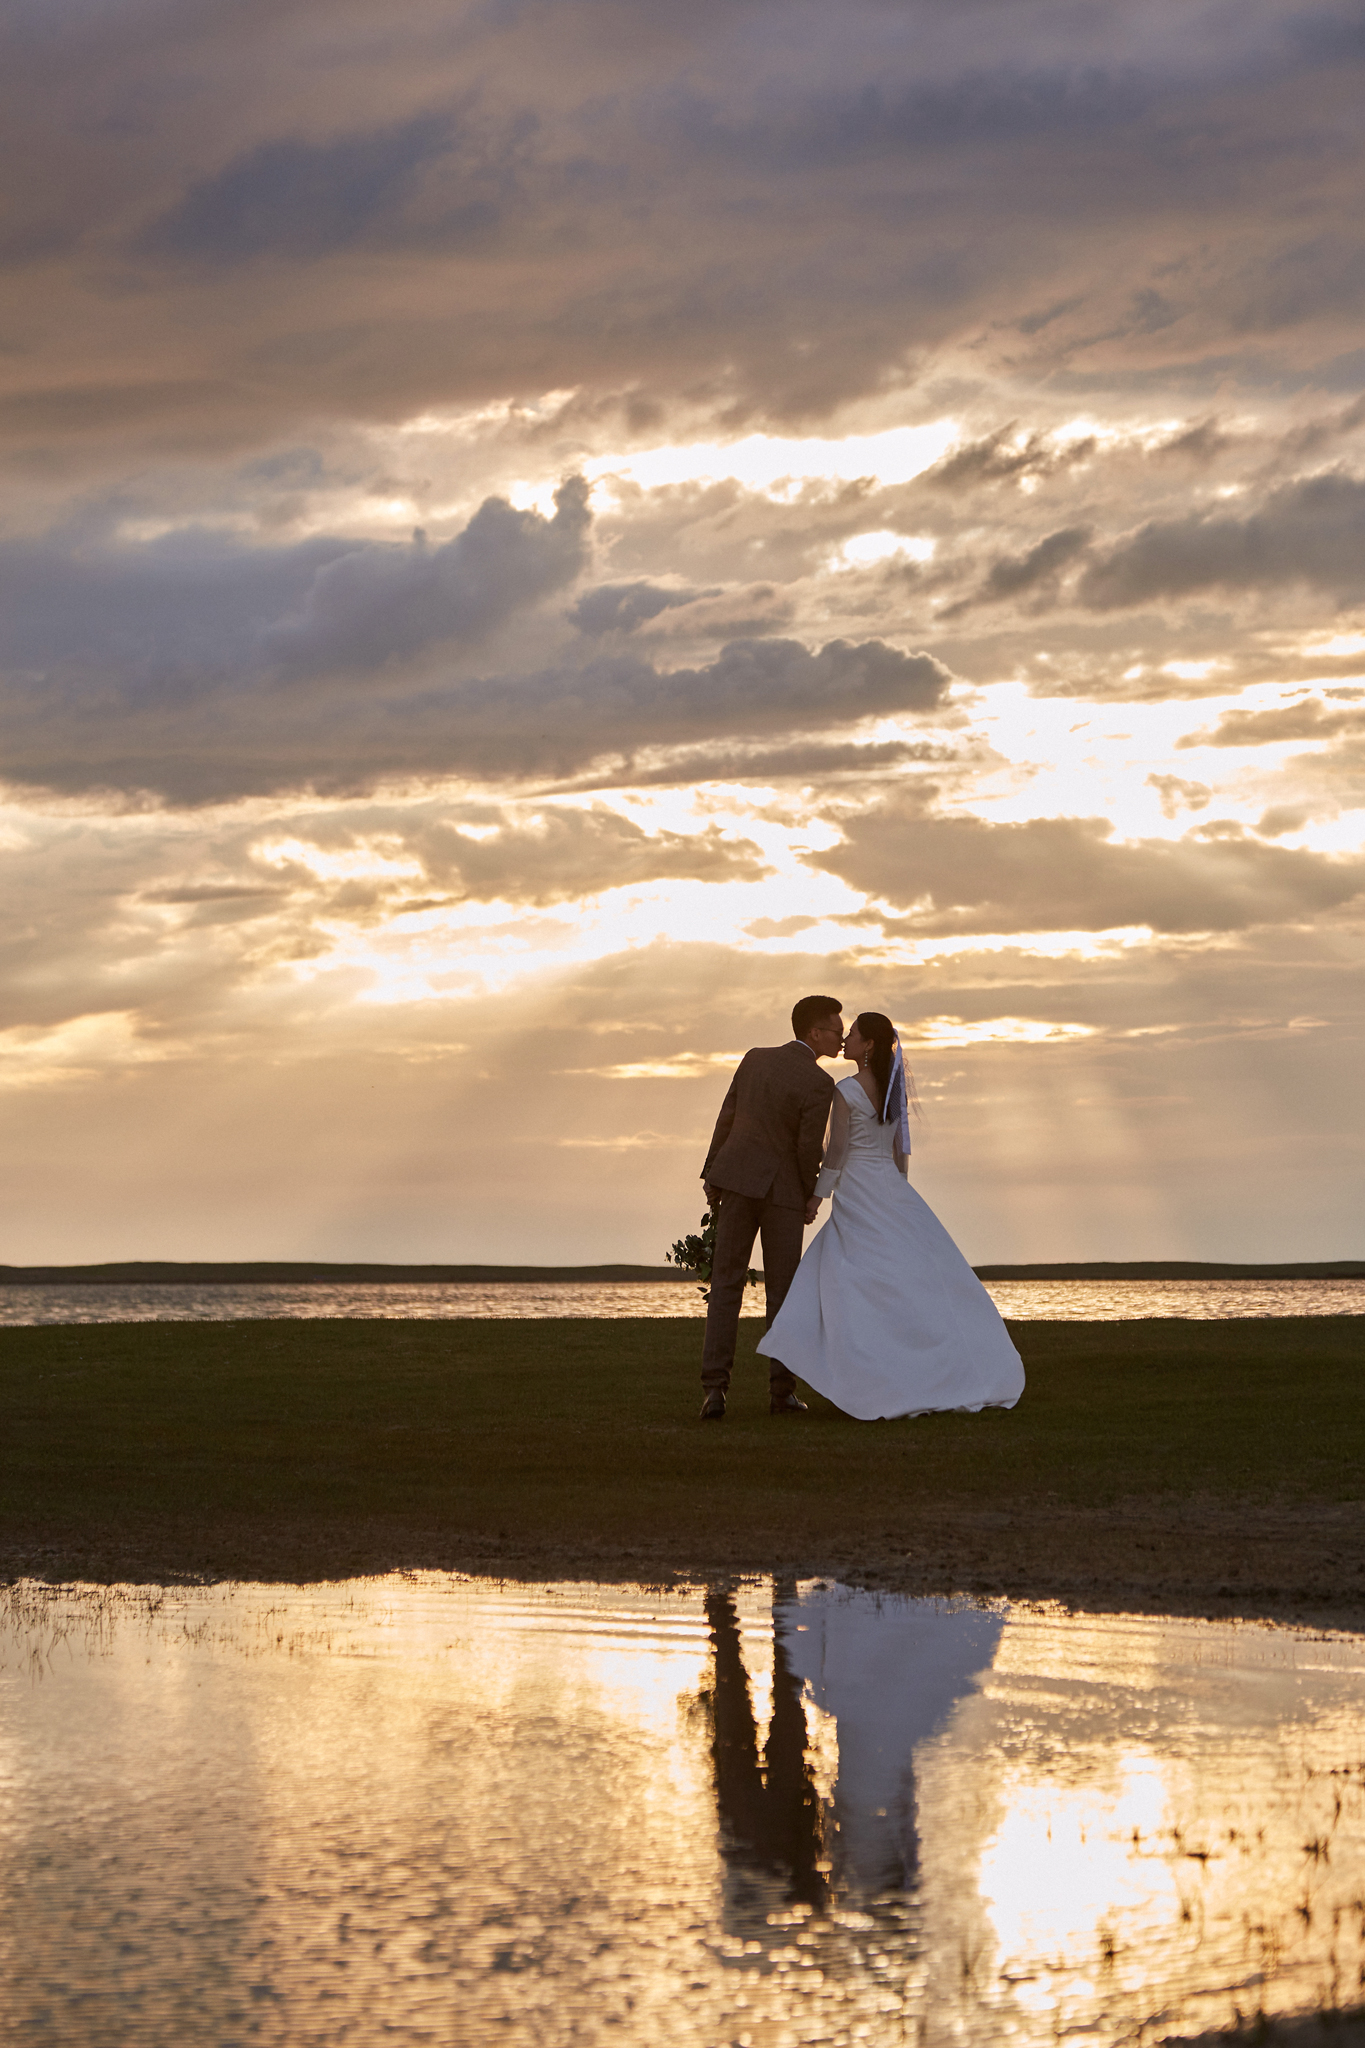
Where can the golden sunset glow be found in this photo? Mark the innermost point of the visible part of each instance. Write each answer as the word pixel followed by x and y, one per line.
pixel 531 542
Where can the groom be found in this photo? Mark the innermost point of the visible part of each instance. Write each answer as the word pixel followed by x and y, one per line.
pixel 759 1177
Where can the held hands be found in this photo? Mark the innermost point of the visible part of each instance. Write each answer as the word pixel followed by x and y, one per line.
pixel 712 1195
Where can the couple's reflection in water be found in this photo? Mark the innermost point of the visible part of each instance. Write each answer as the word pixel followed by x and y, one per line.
pixel 881 1677
pixel 772 1826
pixel 775 1829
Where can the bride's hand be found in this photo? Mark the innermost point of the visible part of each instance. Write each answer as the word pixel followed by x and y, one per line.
pixel 813 1208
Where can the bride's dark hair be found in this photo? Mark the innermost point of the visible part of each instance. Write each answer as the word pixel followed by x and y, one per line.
pixel 882 1032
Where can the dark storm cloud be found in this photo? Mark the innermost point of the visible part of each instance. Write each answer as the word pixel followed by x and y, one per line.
pixel 305 200
pixel 560 719
pixel 197 609
pixel 1002 106
pixel 327 696
pixel 1036 571
pixel 377 605
pixel 293 214
pixel 964 875
pixel 621 607
pixel 1310 532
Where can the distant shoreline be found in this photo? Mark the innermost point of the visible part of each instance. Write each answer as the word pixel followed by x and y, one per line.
pixel 1180 1269
pixel 318 1273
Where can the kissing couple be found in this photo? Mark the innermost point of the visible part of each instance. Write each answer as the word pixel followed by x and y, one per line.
pixel 883 1315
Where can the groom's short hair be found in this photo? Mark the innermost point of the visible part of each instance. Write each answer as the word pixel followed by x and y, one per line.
pixel 810 1010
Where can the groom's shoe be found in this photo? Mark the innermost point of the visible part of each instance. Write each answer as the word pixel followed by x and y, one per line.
pixel 787 1404
pixel 713 1407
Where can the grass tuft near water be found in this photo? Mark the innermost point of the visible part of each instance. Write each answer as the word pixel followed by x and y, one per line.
pixel 1209 1466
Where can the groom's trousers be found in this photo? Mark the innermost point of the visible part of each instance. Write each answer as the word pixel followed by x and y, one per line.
pixel 780 1231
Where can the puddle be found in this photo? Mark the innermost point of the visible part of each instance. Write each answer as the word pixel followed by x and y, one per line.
pixel 425 1809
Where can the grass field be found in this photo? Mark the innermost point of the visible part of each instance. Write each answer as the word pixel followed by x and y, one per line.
pixel 1200 1466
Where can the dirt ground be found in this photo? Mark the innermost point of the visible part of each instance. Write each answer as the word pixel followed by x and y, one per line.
pixel 1291 1563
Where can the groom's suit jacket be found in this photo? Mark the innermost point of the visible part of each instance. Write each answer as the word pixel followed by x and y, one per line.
pixel 771 1126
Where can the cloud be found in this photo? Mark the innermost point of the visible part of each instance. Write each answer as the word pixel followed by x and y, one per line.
pixel 1006 456
pixel 559 855
pixel 331 223
pixel 1309 532
pixel 375 606
pixel 621 607
pixel 304 200
pixel 1202 443
pixel 197 609
pixel 1177 795
pixel 813 761
pixel 1307 439
pixel 210 929
pixel 285 290
pixel 560 719
pixel 1307 720
pixel 780 927
pixel 964 875
pixel 183 723
pixel 1282 818
pixel 1012 576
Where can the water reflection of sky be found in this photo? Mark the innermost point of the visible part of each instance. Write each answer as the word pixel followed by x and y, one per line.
pixel 427 1301
pixel 427 1809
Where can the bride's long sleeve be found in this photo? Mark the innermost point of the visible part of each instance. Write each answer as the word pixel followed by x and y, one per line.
pixel 836 1147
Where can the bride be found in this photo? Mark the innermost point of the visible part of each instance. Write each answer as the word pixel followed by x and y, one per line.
pixel 885 1316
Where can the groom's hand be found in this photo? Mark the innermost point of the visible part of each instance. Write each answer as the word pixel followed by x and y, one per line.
pixel 813 1208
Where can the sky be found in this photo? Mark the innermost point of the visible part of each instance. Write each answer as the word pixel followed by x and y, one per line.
pixel 533 534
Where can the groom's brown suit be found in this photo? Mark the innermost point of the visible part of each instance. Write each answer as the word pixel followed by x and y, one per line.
pixel 764 1159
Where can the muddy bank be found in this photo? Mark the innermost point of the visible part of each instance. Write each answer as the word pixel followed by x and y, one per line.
pixel 1197 1558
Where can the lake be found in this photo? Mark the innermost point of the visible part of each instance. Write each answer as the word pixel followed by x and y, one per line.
pixel 432 1809
pixel 1048 1300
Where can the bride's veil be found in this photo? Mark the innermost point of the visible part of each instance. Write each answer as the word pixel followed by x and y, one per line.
pixel 900 1096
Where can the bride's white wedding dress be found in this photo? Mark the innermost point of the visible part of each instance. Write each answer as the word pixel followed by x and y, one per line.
pixel 885 1317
